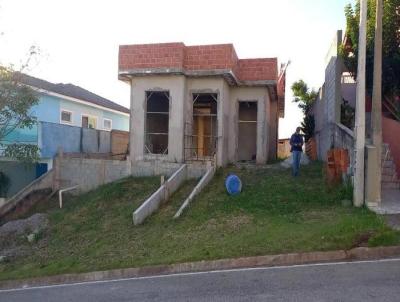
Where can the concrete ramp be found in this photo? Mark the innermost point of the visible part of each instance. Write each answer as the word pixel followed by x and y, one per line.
pixel 207 177
pixel 161 196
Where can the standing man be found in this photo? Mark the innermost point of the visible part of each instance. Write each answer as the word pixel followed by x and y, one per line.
pixel 296 142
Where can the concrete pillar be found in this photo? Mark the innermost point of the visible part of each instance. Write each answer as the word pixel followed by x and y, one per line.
pixel 223 124
pixel 177 108
pixel 360 110
pixel 262 132
pixel 376 114
pixel 137 123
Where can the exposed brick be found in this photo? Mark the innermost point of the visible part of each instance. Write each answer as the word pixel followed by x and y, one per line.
pixel 198 57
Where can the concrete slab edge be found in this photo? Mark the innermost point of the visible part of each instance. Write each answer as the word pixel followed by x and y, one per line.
pixel 356 254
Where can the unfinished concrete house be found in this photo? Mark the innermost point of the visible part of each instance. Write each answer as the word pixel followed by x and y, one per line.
pixel 201 103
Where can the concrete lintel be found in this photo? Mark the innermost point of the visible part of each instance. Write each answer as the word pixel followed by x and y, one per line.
pixel 227 74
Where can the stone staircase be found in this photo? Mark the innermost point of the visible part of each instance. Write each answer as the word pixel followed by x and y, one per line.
pixel 390 179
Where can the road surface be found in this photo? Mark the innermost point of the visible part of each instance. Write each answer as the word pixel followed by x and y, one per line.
pixel 355 281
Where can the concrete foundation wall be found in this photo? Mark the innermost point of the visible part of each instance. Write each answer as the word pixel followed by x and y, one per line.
pixel 90 173
pixel 155 167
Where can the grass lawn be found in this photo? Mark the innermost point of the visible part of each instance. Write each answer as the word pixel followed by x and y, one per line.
pixel 274 214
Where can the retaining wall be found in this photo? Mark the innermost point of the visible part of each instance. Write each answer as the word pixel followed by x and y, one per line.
pixel 90 173
pixel 42 183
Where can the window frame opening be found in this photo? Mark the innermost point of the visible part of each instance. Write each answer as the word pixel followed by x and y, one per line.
pixel 247 131
pixel 104 124
pixel 90 120
pixel 62 121
pixel 201 139
pixel 157 122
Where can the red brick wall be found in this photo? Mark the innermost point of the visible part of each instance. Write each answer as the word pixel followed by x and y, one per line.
pixel 256 69
pixel 210 57
pixel 164 55
pixel 204 57
pixel 390 133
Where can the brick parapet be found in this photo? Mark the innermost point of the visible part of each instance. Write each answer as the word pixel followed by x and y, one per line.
pixel 177 56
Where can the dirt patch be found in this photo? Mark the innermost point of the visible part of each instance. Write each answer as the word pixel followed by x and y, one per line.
pixel 362 239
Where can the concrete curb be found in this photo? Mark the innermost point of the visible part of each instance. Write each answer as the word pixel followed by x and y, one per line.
pixel 361 253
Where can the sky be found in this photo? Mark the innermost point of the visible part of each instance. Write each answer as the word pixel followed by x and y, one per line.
pixel 79 39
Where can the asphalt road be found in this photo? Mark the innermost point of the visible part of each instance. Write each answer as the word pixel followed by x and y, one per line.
pixel 357 281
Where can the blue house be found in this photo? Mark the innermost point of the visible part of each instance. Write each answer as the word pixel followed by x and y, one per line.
pixel 65 113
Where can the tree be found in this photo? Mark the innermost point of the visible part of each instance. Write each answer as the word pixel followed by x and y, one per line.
pixel 305 97
pixel 391 44
pixel 16 100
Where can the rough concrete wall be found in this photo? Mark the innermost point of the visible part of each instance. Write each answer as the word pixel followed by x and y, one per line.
pixel 176 87
pixel 224 138
pixel 327 108
pixel 41 183
pixel 333 96
pixel 260 95
pixel 91 173
pixel 273 131
pixel 332 92
pixel 154 167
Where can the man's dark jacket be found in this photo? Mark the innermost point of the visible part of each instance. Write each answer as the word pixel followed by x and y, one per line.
pixel 295 140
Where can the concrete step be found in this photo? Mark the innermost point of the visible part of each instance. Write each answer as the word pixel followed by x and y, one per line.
pixel 391 185
pixel 389 178
pixel 388 164
pixel 388 171
pixel 387 157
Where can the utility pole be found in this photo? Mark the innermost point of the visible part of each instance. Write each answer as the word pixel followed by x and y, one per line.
pixel 376 119
pixel 358 194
